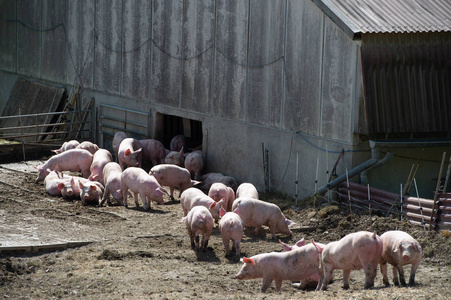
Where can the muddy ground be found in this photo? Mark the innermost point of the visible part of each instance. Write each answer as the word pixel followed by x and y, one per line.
pixel 117 253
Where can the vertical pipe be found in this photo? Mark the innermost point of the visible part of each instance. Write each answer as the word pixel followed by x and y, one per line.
pixel 296 182
pixel 400 199
pixel 349 191
pixel 436 190
pixel 448 173
pixel 21 133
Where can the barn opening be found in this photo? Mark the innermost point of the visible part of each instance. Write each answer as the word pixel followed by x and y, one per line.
pixel 170 126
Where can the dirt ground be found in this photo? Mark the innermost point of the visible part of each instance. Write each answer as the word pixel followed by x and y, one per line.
pixel 117 253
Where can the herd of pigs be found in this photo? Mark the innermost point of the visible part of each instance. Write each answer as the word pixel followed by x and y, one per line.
pixel 214 198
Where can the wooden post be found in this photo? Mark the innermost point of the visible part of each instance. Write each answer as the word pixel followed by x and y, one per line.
pixel 436 190
pixel 349 191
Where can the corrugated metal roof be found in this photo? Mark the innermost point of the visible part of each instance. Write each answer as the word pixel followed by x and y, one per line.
pixel 391 16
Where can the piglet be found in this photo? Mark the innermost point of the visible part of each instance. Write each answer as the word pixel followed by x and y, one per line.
pixel 247 190
pixel 295 265
pixel 256 213
pixel 86 145
pixel 231 228
pixel 70 160
pixel 175 158
pixel 153 151
pixel 398 249
pixel 194 197
pixel 72 144
pixel 208 179
pixel 199 221
pixel 194 163
pixel 172 176
pixel 112 177
pixel 91 192
pixel 71 189
pixel 178 142
pixel 117 139
pixel 139 182
pixel 100 159
pixel 220 191
pixel 355 251
pixel 129 153
pixel 54 182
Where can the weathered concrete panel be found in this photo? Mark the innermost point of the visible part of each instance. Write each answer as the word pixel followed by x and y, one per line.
pixel 166 52
pixel 29 38
pixel 231 59
pixel 198 53
pixel 54 52
pixel 108 50
pixel 303 67
pixel 338 84
pixel 81 39
pixel 267 31
pixel 137 31
pixel 8 33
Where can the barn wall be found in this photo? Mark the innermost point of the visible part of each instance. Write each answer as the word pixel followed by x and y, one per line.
pixel 253 72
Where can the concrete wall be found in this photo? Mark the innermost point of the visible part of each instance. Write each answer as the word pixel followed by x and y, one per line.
pixel 252 72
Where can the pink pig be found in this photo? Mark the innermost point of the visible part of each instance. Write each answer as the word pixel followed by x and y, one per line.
pixel 194 163
pixel 54 182
pixel 199 221
pixel 220 191
pixel 91 147
pixel 398 249
pixel 355 251
pixel 295 265
pixel 139 182
pixel 172 176
pixel 129 153
pixel 247 190
pixel 70 160
pixel 72 144
pixel 112 177
pixel 310 282
pixel 256 213
pixel 153 151
pixel 231 228
pixel 71 189
pixel 194 197
pixel 117 139
pixel 175 158
pixel 178 142
pixel 100 159
pixel 90 192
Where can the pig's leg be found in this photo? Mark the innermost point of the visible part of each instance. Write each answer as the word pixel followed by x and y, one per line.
pixel 191 236
pixel 124 191
pixel 237 249
pixel 401 275
pixel 135 196
pixel 346 275
pixel 197 242
pixel 106 196
pixel 370 274
pixel 226 241
pixel 328 271
pixel 413 270
pixel 205 242
pixel 384 273
pixel 257 230
pixel 278 284
pixel 395 276
pixel 172 192
pixel 146 202
pixel 267 280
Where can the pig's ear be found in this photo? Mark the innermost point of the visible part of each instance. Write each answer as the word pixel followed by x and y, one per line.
pixel 416 247
pixel 80 184
pixel 222 212
pixel 139 150
pixel 93 187
pixel 300 243
pixel 237 210
pixel 127 152
pixel 289 222
pixel 60 186
pixel 398 245
pixel 212 205
pixel 248 261
pixel 285 247
pixel 181 151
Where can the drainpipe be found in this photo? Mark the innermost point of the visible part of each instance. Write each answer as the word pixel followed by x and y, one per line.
pixel 373 161
pixel 364 175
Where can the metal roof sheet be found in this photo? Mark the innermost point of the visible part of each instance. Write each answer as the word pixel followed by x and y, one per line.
pixel 394 16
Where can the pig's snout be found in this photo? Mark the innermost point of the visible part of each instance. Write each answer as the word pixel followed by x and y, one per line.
pixel 405 256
